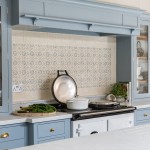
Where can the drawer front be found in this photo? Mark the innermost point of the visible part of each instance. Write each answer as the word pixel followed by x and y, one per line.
pixel 51 129
pixel 8 133
pixel 121 121
pixel 51 139
pixel 142 115
pixel 12 144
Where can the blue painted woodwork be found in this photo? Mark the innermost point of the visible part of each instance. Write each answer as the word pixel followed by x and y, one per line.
pixel 144 21
pixel 44 129
pixel 18 134
pixel 52 139
pixel 142 116
pixel 6 58
pixel 12 144
pixel 74 15
pixel 126 64
pixel 49 131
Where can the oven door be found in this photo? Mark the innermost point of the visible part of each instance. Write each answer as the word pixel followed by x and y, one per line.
pixel 88 126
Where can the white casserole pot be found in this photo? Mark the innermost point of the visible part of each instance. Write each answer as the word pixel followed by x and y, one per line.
pixel 78 103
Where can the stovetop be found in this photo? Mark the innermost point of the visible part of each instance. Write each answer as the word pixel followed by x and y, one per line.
pixel 93 112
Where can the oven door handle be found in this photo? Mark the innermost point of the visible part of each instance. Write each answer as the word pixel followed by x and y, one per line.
pixel 94 132
pixel 79 130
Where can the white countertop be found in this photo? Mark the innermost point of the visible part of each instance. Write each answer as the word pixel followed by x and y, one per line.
pixel 136 138
pixel 58 115
pixel 5 120
pixel 141 104
pixel 11 119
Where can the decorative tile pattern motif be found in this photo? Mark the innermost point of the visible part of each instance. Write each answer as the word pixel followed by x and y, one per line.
pixel 36 57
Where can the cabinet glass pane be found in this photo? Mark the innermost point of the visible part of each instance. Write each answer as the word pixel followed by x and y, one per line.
pixel 0 61
pixel 142 60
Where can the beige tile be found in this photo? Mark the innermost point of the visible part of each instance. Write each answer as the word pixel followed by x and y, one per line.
pixel 38 56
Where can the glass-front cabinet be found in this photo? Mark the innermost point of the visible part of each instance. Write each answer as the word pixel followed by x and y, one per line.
pixel 142 62
pixel 4 58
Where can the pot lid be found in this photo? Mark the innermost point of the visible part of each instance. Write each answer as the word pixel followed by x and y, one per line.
pixel 104 103
pixel 64 87
pixel 78 98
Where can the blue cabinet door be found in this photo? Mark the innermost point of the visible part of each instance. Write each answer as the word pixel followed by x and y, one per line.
pixel 141 66
pixel 13 136
pixel 142 116
pixel 49 131
pixel 133 63
pixel 5 59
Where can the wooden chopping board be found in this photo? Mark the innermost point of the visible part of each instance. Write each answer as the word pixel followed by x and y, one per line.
pixel 29 114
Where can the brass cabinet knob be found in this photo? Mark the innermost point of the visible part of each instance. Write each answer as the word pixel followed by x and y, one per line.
pixel 145 115
pixel 52 130
pixel 4 135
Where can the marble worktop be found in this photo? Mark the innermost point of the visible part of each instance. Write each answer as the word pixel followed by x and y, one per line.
pixel 135 138
pixel 141 104
pixel 11 119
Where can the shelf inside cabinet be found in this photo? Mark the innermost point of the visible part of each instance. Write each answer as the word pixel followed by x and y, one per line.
pixel 142 81
pixel 142 92
pixel 142 37
pixel 143 58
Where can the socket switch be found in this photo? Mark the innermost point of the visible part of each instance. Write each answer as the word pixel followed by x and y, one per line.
pixel 17 88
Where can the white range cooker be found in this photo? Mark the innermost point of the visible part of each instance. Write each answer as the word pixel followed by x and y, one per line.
pixel 97 120
pixel 98 117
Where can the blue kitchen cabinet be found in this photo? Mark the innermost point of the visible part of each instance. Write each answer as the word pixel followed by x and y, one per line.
pixel 142 116
pixel 13 136
pixel 47 131
pixel 141 58
pixel 5 60
pixel 74 15
pixel 133 61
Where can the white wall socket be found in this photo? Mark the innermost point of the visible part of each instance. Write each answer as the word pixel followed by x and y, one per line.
pixel 17 88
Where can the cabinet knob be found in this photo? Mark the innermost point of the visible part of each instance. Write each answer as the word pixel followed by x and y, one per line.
pixel 52 130
pixel 145 115
pixel 4 135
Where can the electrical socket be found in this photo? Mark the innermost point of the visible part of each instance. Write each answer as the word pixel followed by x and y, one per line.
pixel 17 88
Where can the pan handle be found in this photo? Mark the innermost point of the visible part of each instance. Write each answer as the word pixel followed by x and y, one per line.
pixel 58 72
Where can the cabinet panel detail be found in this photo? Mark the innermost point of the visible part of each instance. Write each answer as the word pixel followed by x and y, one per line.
pixel 130 20
pixel 142 54
pixel 12 144
pixel 11 133
pixel 75 15
pixel 51 129
pixel 52 139
pixel 143 115
pixel 31 7
pixel 120 123
pixel 91 14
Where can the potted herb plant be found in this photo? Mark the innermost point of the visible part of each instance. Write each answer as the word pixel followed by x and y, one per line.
pixel 120 91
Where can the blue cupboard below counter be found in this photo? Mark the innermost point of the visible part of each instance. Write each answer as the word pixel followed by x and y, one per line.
pixel 18 131
pixel 13 136
pixel 142 116
pixel 49 131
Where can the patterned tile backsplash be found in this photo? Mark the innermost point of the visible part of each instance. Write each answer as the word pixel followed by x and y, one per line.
pixel 37 56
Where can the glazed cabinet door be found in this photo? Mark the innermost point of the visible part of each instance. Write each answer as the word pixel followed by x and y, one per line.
pixel 3 57
pixel 142 62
